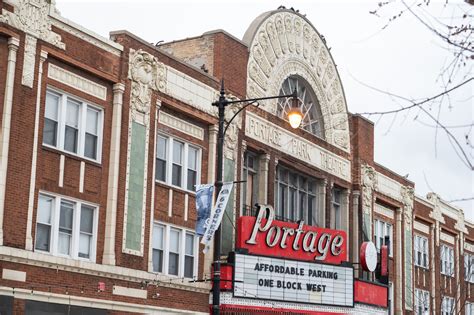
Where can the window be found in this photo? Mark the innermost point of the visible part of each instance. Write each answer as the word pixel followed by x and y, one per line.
pixel 295 197
pixel 421 251
pixel 174 251
pixel 422 302
pixel 469 309
pixel 447 260
pixel 381 230
pixel 158 231
pixel 469 267
pixel 177 163
pixel 189 256
pixel 72 125
pixel 66 227
pixel 250 176
pixel 313 119
pixel 336 207
pixel 447 306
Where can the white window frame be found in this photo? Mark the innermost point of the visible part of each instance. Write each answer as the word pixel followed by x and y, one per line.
pixel 421 246
pixel 385 227
pixel 54 231
pixel 422 298
pixel 184 163
pixel 82 124
pixel 447 260
pixel 182 250
pixel 469 268
pixel 447 306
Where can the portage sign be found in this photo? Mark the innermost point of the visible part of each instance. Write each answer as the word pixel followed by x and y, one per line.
pixel 265 236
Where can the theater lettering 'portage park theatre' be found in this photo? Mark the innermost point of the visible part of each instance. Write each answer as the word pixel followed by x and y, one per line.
pixel 103 141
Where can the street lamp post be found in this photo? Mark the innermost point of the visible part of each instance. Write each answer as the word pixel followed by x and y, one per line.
pixel 294 116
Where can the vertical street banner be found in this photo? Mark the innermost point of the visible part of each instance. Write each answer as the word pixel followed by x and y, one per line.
pixel 203 207
pixel 217 214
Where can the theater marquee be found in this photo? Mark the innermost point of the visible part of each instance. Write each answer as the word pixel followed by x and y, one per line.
pixel 293 281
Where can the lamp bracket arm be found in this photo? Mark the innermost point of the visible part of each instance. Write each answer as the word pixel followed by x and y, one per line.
pixel 238 112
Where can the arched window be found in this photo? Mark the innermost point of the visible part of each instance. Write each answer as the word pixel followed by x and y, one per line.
pixel 312 118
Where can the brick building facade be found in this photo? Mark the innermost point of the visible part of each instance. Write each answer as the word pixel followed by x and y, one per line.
pixel 103 140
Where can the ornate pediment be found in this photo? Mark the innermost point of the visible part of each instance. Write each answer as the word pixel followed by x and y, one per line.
pixel 146 74
pixel 32 17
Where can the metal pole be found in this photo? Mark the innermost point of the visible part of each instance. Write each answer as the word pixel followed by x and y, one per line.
pixel 217 236
pixel 221 104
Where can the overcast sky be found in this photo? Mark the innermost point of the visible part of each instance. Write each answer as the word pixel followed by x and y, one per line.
pixel 404 58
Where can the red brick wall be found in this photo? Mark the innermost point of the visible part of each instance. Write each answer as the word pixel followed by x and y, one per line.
pixel 230 63
pixel 81 285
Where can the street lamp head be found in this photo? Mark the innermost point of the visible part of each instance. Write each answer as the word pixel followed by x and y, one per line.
pixel 295 116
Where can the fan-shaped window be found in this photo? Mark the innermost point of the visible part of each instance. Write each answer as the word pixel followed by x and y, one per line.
pixel 312 118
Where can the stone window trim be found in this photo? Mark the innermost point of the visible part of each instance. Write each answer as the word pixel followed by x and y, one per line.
pixel 76 232
pixel 168 162
pixel 182 252
pixel 83 128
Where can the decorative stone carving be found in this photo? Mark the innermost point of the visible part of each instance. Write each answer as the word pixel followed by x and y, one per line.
pixel 369 184
pixel 436 212
pixel 408 197
pixel 29 61
pixel 146 74
pixel 285 44
pixel 32 17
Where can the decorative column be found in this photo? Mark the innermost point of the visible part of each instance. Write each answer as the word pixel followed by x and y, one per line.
pixel 437 215
pixel 112 183
pixel 345 216
pixel 243 185
pixel 408 196
pixel 211 178
pixel 322 203
pixel 211 160
pixel 146 75
pixel 34 157
pixel 263 170
pixel 369 184
pixel 432 265
pixel 230 174
pixel 457 262
pixel 355 228
pixel 13 44
pixel 153 188
pixel 399 265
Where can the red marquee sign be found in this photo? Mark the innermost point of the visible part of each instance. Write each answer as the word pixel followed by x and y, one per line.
pixel 263 235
